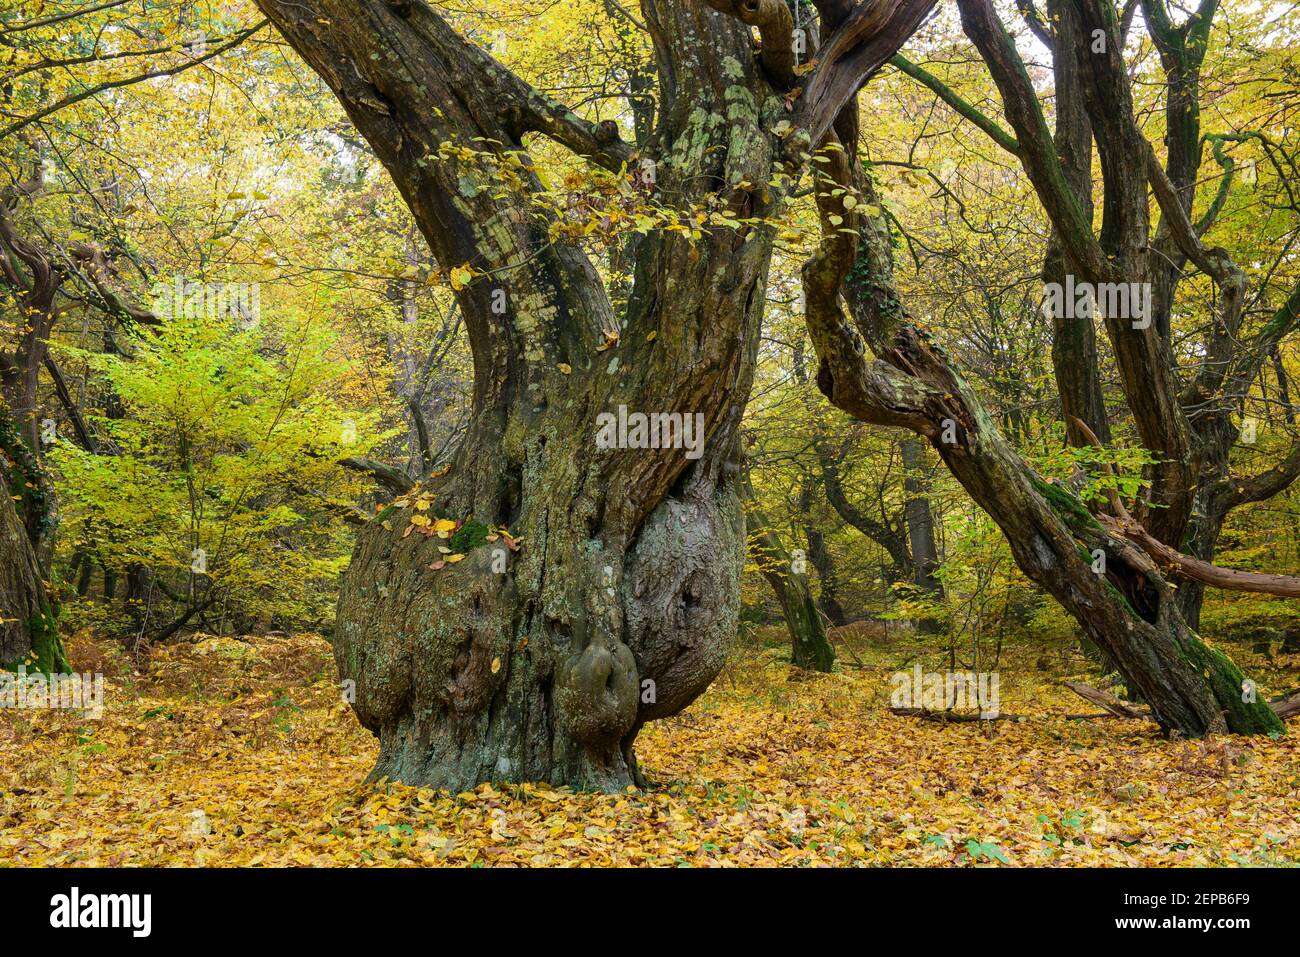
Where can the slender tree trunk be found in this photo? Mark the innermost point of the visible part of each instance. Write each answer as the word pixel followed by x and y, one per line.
pixel 828 595
pixel 1074 337
pixel 891 536
pixel 827 579
pixel 809 646
pixel 920 531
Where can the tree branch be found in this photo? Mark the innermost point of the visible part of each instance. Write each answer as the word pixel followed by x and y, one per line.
pixel 69 100
pixel 775 29
pixel 1274 481
pixel 1037 149
pixel 60 17
pixel 1284 586
pixel 870 34
pixel 393 479
pixel 85 435
pixel 954 100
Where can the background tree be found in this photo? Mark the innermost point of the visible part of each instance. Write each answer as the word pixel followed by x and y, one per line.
pixel 1129 613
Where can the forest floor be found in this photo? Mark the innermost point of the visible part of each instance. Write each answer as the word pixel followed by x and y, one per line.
pixel 241 752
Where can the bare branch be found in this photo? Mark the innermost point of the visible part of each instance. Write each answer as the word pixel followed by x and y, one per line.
pixel 1284 586
pixel 87 93
pixel 99 271
pixel 393 479
pixel 1274 481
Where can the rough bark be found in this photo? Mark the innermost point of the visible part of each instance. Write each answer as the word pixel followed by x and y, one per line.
pixel 28 621
pixel 619 606
pixel 1074 338
pixel 622 600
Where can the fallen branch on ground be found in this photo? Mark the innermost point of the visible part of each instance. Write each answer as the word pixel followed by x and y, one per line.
pixel 1286 705
pixel 1104 700
pixel 951 717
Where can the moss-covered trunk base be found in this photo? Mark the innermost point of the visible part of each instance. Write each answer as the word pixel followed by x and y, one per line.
pixel 541 663
pixel 29 633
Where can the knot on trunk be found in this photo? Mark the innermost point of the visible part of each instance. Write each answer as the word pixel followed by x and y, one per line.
pixel 414 638
pixel 681 587
pixel 596 691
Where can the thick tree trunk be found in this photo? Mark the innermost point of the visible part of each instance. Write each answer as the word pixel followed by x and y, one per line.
pixel 28 622
pixel 619 605
pixel 541 664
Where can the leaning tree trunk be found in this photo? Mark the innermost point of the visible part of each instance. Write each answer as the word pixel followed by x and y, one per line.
pixel 485 663
pixel 29 632
pixel 1130 611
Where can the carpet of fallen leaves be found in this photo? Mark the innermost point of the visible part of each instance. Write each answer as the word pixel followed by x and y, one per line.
pixel 241 752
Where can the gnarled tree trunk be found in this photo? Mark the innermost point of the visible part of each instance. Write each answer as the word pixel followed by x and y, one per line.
pixel 1130 611
pixel 621 601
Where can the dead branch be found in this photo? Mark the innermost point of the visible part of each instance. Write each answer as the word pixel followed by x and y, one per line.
pixel 1104 700
pixel 1284 586
pixel 1287 705
pixel 951 717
